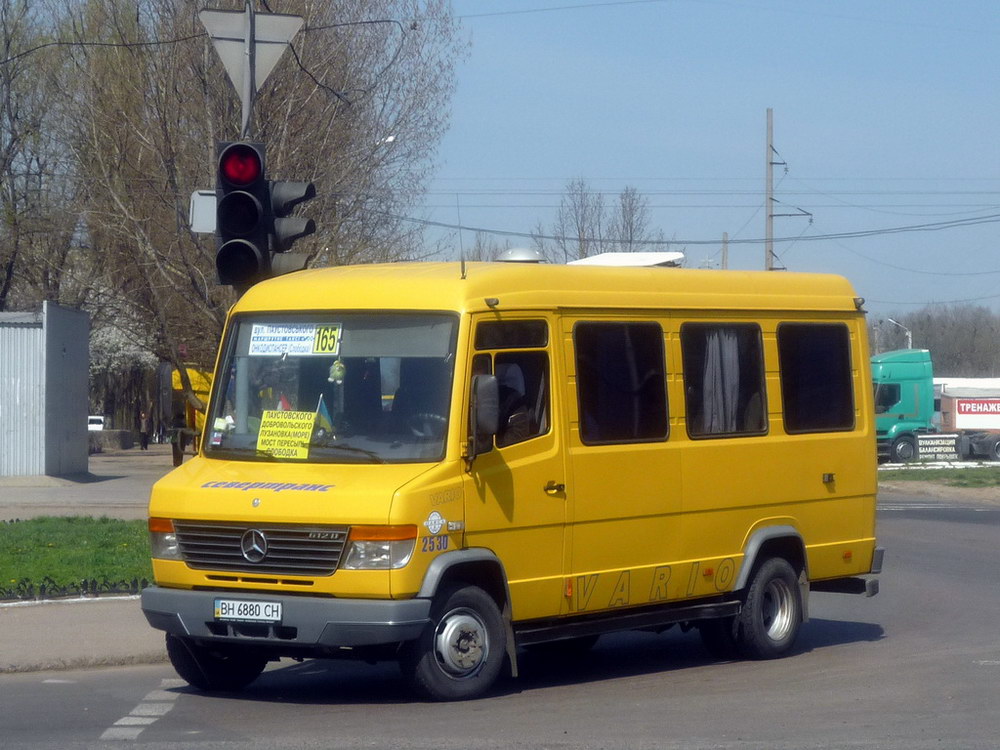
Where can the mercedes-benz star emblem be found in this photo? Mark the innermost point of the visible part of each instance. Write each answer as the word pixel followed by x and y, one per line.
pixel 254 545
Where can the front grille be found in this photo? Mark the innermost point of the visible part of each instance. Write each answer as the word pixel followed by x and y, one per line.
pixel 291 549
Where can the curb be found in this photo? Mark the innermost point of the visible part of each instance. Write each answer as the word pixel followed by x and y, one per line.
pixel 63 634
pixel 65 665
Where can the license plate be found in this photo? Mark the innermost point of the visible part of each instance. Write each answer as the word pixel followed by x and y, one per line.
pixel 243 610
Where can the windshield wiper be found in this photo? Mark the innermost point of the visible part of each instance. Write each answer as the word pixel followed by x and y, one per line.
pixel 375 457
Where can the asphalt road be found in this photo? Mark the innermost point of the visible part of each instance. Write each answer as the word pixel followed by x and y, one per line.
pixel 916 667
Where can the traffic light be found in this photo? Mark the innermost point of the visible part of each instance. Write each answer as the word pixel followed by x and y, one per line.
pixel 286 229
pixel 242 227
pixel 253 219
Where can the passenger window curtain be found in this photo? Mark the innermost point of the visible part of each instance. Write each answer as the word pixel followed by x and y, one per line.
pixel 721 387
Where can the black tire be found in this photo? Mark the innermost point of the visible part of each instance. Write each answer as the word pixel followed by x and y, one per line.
pixel 461 652
pixel 719 637
pixel 995 451
pixel 223 669
pixel 903 449
pixel 772 613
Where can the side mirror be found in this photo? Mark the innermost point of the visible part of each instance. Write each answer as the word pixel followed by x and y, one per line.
pixel 484 421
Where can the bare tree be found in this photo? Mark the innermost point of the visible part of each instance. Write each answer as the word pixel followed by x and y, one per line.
pixel 964 340
pixel 630 223
pixel 36 193
pixel 580 223
pixel 358 108
pixel 486 248
pixel 586 224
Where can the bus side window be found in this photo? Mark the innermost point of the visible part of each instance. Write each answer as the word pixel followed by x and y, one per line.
pixel 724 379
pixel 621 382
pixel 816 384
pixel 524 395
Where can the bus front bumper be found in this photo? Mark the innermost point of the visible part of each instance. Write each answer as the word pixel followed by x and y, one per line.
pixel 310 624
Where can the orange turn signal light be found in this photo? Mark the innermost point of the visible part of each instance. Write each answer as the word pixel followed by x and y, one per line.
pixel 399 533
pixel 161 526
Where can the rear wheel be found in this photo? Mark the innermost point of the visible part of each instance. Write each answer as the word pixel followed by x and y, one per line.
pixel 461 651
pixel 772 613
pixel 224 668
pixel 995 451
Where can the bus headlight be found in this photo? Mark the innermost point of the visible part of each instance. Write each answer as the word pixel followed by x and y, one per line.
pixel 379 547
pixel 162 540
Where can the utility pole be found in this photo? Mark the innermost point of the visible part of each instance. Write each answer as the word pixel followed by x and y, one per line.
pixel 725 250
pixel 769 195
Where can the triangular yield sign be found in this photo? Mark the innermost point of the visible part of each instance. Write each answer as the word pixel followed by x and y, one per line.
pixel 229 30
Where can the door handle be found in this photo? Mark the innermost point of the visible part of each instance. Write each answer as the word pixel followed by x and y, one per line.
pixel 554 488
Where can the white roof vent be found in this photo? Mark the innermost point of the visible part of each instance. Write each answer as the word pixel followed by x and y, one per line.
pixel 520 255
pixel 631 259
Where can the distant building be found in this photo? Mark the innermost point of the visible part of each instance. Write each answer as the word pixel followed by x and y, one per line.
pixel 44 360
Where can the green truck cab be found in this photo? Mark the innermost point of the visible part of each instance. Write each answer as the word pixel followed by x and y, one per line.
pixel 904 401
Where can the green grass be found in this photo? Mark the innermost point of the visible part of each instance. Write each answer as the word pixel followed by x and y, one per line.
pixel 979 476
pixel 63 552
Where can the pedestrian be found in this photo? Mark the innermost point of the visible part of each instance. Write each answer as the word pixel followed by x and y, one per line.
pixel 143 431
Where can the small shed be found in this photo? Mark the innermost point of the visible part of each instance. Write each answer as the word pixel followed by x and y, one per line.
pixel 44 363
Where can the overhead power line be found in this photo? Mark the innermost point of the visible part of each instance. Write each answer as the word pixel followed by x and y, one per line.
pixel 931 227
pixel 557 8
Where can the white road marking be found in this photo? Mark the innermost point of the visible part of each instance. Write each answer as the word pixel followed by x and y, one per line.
pixel 135 721
pixel 156 696
pixel 122 733
pixel 152 709
pixel 933 506
pixel 155 704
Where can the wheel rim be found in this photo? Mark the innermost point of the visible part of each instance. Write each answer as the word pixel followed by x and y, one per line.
pixel 905 450
pixel 461 643
pixel 778 610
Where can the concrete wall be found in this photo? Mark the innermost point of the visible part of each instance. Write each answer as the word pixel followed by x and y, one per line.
pixel 67 366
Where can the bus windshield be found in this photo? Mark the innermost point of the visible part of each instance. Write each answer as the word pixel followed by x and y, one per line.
pixel 334 388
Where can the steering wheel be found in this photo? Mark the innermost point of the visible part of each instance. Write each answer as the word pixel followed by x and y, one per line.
pixel 426 425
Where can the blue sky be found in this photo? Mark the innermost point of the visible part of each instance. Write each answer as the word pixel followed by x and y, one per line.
pixel 886 113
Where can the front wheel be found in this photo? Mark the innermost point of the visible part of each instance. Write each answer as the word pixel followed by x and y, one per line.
pixel 226 668
pixel 461 651
pixel 772 612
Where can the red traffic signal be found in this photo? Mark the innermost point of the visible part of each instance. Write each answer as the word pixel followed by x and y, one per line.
pixel 242 227
pixel 240 164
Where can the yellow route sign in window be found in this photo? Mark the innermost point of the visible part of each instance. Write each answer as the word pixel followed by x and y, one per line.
pixel 327 339
pixel 286 434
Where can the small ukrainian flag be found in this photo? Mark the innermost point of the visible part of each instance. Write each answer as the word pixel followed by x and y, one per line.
pixel 323 415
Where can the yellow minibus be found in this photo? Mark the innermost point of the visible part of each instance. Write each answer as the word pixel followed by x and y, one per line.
pixel 444 463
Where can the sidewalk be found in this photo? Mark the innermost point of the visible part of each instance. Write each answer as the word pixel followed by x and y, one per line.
pixel 64 634
pixel 76 633
pixel 116 486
